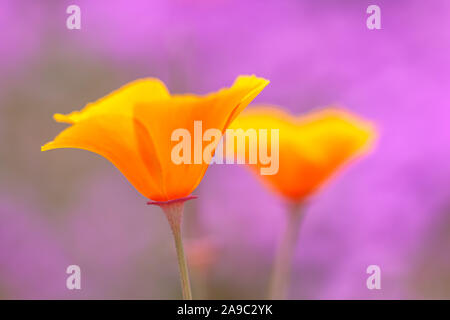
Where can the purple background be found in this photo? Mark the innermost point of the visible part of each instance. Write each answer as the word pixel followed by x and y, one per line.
pixel 66 207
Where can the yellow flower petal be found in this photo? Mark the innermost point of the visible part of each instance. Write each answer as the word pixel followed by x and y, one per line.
pixel 120 101
pixel 122 140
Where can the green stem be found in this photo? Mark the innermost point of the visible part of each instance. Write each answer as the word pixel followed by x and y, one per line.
pixel 283 260
pixel 174 213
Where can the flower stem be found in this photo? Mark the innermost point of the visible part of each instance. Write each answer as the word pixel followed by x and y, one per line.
pixel 174 212
pixel 285 254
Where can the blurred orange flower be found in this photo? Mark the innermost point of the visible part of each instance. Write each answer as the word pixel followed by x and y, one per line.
pixel 311 148
pixel 132 128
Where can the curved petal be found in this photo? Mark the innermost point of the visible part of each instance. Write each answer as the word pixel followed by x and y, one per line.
pixel 122 140
pixel 215 111
pixel 120 101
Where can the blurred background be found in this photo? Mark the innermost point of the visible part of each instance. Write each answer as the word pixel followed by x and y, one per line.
pixel 390 209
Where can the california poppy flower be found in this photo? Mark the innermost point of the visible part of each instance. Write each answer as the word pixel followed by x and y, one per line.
pixel 132 127
pixel 311 149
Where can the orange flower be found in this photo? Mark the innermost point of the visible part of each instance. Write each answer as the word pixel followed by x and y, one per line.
pixel 312 148
pixel 132 128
